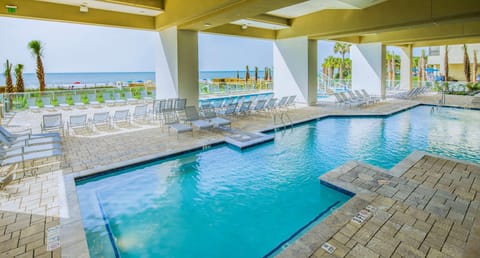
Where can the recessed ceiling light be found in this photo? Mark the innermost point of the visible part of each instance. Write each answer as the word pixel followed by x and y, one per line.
pixel 244 26
pixel 207 24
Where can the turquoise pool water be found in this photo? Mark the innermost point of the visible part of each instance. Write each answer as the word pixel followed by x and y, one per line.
pixel 223 202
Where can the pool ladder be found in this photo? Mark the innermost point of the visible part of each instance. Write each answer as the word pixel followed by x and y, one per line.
pixel 283 118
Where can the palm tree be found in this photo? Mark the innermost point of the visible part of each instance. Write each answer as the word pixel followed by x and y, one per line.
pixel 256 74
pixel 247 73
pixel 37 51
pixel 475 68
pixel 445 63
pixel 19 76
pixel 343 49
pixel 466 63
pixel 330 64
pixel 422 66
pixel 8 77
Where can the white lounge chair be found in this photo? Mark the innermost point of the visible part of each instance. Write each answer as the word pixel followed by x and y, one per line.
pixel 107 99
pixel 99 119
pixel 194 119
pixel 211 116
pixel 92 99
pixel 76 122
pixel 62 101
pixel 140 112
pixel 77 101
pixel 171 121
pixel 25 138
pixel 52 122
pixel 32 104
pixel 118 98
pixel 121 116
pixel 46 101
pixel 129 97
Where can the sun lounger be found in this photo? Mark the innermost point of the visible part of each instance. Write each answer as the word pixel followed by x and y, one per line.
pixel 180 104
pixel 374 98
pixel 244 108
pixel 145 97
pixel 282 102
pixel 52 122
pixel 92 99
pixel 32 104
pixel 30 156
pixel 107 99
pixel 47 103
pixel 211 116
pixel 26 138
pixel 140 112
pixel 350 101
pixel 77 101
pixel 118 98
pixel 194 119
pixel 129 97
pixel 171 121
pixel 230 110
pixel 366 97
pixel 259 106
pixel 101 118
pixel 62 101
pixel 291 101
pixel 77 121
pixel 121 116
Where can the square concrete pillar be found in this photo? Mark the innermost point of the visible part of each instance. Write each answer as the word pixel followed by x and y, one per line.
pixel 406 67
pixel 295 69
pixel 368 68
pixel 176 73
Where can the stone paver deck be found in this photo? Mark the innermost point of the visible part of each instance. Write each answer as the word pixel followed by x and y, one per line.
pixel 431 210
pixel 29 207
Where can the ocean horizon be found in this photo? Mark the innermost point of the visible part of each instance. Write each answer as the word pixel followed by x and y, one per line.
pixel 55 80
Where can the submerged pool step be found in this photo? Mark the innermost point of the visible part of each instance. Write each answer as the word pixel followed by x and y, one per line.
pixel 244 140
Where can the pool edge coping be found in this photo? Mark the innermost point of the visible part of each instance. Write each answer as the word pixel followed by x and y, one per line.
pixel 75 243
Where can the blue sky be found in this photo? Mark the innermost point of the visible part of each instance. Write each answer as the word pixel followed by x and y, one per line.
pixel 83 48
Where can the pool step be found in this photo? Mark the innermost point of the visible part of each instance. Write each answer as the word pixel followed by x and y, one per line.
pixel 242 140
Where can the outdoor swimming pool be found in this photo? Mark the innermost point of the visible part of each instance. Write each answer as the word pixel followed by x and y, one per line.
pixel 222 202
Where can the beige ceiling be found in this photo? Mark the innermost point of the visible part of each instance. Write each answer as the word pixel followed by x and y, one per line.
pixel 312 6
pixel 115 6
pixel 395 22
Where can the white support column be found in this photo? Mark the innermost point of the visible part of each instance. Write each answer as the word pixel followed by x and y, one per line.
pixel 406 67
pixel 176 73
pixel 295 69
pixel 368 68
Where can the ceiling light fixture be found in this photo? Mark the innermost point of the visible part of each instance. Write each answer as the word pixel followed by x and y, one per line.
pixel 208 24
pixel 84 8
pixel 11 8
pixel 244 26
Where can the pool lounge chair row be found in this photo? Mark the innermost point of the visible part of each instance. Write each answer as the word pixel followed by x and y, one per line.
pixel 241 108
pixel 193 119
pixel 411 93
pixel 91 99
pixel 355 98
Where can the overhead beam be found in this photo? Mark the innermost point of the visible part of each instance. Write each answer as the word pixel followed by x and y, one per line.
pixel 431 33
pixel 67 13
pixel 265 18
pixel 193 15
pixel 455 41
pixel 149 4
pixel 387 16
pixel 236 30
